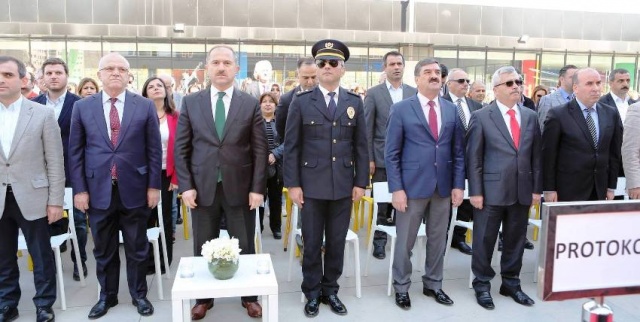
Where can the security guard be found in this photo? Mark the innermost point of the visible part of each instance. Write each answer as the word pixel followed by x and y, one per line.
pixel 325 158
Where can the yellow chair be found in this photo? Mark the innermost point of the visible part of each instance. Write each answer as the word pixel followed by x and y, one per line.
pixel 185 218
pixel 288 208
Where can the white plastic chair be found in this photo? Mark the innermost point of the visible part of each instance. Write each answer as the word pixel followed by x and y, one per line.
pixel 351 238
pixel 381 194
pixel 57 241
pixel 153 234
pixel 257 234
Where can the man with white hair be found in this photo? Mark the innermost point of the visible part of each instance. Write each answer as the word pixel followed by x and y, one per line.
pixel 262 73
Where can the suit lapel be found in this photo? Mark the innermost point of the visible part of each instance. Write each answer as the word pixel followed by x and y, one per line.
pixel 234 108
pixel 524 121
pixel 603 118
pixel 344 101
pixel 66 108
pixel 386 95
pixel 415 105
pixel 406 93
pixel 578 117
pixel 97 109
pixel 320 104
pixel 128 110
pixel 446 114
pixel 26 112
pixel 204 105
pixel 498 120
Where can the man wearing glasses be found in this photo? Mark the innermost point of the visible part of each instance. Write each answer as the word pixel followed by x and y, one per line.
pixel 503 142
pixel 326 159
pixel 458 84
pixel 115 158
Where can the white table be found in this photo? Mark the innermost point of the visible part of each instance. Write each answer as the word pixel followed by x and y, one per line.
pixel 246 282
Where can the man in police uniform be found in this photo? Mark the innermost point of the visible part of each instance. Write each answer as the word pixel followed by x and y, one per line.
pixel 326 158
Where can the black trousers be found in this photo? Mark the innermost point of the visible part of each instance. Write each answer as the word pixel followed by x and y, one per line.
pixel 486 224
pixel 385 210
pixel 105 224
pixel 167 221
pixel 274 195
pixel 240 224
pixel 328 219
pixel 36 233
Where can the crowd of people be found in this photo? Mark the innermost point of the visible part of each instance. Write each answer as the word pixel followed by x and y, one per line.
pixel 227 149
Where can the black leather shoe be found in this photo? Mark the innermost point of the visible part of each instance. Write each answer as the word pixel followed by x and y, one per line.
pixel 144 306
pixel 312 307
pixel 334 302
pixel 179 221
pixel 76 275
pixel 277 235
pixel 463 247
pixel 378 252
pixel 528 244
pixel 45 314
pixel 440 296
pixel 517 295
pixel 8 314
pixel 485 300
pixel 102 307
pixel 403 301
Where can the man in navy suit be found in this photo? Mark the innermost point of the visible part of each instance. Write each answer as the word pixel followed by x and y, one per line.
pixel 424 156
pixel 504 167
pixel 56 75
pixel 115 156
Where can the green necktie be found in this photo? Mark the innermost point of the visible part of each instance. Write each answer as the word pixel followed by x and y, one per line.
pixel 219 120
pixel 219 117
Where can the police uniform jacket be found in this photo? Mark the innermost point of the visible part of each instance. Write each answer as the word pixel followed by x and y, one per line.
pixel 326 155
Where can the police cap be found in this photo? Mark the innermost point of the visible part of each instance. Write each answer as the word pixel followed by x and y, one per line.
pixel 330 49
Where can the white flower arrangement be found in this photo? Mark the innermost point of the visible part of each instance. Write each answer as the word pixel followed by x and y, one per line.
pixel 221 248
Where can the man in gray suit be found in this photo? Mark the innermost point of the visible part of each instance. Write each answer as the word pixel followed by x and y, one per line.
pixel 503 142
pixel 561 96
pixel 631 150
pixel 32 190
pixel 221 161
pixel 377 105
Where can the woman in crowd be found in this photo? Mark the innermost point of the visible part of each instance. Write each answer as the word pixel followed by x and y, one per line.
pixel 87 87
pixel 275 89
pixel 538 92
pixel 268 102
pixel 155 90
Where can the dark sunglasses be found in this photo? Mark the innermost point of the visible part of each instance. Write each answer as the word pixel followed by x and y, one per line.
pixel 461 81
pixel 511 82
pixel 332 62
pixel 539 95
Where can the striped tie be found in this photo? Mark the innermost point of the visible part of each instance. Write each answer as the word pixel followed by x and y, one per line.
pixel 592 127
pixel 461 114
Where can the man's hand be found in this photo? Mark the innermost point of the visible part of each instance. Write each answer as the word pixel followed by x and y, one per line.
pixel 535 199
pixel 255 200
pixel 399 200
pixel 372 168
pixel 477 201
pixel 153 198
pixel 173 187
pixel 610 194
pixel 189 198
pixel 295 193
pixel 550 196
pixel 81 201
pixel 54 213
pixel 456 197
pixel 272 158
pixel 634 193
pixel 357 194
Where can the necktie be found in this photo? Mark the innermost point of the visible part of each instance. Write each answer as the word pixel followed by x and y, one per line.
pixel 463 118
pixel 332 104
pixel 114 123
pixel 219 121
pixel 515 128
pixel 592 127
pixel 433 119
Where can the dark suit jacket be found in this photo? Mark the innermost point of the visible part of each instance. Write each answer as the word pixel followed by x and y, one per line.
pixel 498 171
pixel 283 109
pixel 415 161
pixel 64 121
pixel 377 105
pixel 608 100
pixel 241 153
pixel 571 165
pixel 137 155
pixel 326 156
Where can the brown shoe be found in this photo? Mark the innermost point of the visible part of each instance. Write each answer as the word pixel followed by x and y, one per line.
pixel 254 309
pixel 199 311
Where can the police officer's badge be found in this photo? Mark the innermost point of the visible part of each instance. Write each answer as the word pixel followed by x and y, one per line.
pixel 351 112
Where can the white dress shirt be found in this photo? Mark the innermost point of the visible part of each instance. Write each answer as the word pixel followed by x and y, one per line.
pixel 325 94
pixel 622 104
pixel 8 122
pixel 57 104
pixel 424 103
pixel 465 108
pixel 507 118
pixel 226 99
pixel 396 93
pixel 106 106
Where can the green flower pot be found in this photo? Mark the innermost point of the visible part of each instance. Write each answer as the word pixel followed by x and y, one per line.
pixel 223 269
